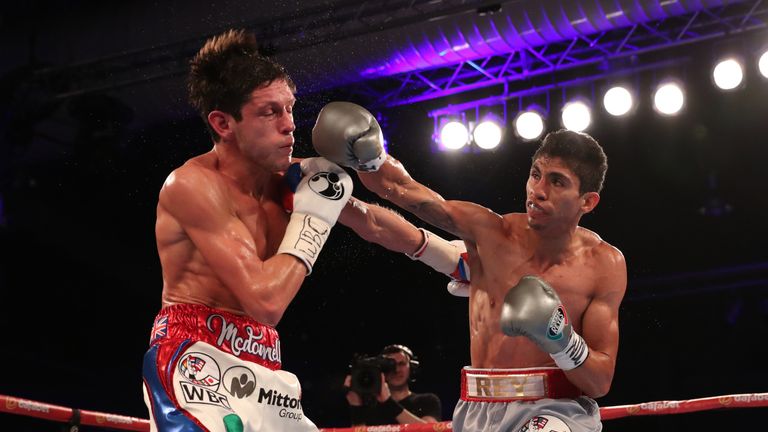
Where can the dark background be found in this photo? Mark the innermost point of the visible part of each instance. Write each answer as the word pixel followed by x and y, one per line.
pixel 80 279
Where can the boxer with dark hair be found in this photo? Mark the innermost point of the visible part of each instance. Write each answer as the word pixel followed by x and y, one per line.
pixel 238 229
pixel 544 293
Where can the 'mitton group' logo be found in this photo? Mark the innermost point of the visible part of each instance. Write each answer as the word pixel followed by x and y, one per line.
pixel 239 381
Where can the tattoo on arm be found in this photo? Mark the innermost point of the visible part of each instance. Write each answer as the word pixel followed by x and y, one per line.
pixel 434 213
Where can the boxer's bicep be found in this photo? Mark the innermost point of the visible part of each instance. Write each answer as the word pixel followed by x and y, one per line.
pixel 393 183
pixel 601 318
pixel 216 233
pixel 264 287
pixel 464 219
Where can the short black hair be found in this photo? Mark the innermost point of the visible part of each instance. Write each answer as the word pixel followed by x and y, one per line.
pixel 581 153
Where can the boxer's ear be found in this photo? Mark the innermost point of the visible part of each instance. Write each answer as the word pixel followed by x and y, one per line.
pixel 589 201
pixel 221 123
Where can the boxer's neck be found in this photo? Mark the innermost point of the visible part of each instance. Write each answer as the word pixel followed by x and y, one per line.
pixel 250 178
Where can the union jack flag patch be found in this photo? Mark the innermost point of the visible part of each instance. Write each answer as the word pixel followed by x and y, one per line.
pixel 159 328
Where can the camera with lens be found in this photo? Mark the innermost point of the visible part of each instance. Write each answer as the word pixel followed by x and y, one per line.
pixel 366 375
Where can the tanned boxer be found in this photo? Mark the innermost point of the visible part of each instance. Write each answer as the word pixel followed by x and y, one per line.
pixel 544 293
pixel 238 229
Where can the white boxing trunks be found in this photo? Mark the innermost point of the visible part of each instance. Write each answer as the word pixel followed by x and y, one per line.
pixel 210 370
pixel 523 400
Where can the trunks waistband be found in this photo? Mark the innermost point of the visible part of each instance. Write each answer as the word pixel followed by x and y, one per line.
pixel 238 335
pixel 509 385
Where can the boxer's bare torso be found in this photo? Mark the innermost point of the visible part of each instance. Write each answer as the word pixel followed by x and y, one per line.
pixel 187 276
pixel 576 274
pixel 588 274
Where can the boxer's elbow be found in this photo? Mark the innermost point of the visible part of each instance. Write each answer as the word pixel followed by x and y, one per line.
pixel 597 390
pixel 597 386
pixel 266 314
pixel 265 309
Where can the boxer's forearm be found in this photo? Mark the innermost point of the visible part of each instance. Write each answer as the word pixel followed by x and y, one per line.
pixel 594 376
pixel 382 226
pixel 393 183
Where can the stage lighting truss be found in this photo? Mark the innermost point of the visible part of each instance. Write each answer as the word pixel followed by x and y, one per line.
pixel 312 26
pixel 582 53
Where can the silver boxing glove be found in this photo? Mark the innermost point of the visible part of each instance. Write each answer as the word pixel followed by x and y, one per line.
pixel 349 135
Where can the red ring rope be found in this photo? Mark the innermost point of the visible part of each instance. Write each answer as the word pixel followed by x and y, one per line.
pixel 13 405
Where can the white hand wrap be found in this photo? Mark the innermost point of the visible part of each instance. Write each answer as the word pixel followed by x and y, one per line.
pixel 458 288
pixel 304 237
pixel 373 164
pixel 574 354
pixel 445 257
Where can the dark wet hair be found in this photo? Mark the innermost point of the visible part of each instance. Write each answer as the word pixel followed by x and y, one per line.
pixel 226 70
pixel 581 153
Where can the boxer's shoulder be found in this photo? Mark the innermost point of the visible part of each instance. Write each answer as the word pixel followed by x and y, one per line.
pixel 193 187
pixel 598 248
pixel 515 225
pixel 198 172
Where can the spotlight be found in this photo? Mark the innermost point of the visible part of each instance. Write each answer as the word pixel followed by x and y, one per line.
pixel 728 74
pixel 529 125
pixel 762 64
pixel 576 116
pixel 454 135
pixel 617 101
pixel 668 99
pixel 487 134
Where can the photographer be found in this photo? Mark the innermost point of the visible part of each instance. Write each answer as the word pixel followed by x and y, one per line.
pixel 378 390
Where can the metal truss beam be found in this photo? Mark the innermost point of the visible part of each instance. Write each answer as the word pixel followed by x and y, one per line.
pixel 574 53
pixel 311 26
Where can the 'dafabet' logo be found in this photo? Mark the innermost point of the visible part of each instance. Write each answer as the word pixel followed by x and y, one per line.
pixel 11 404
